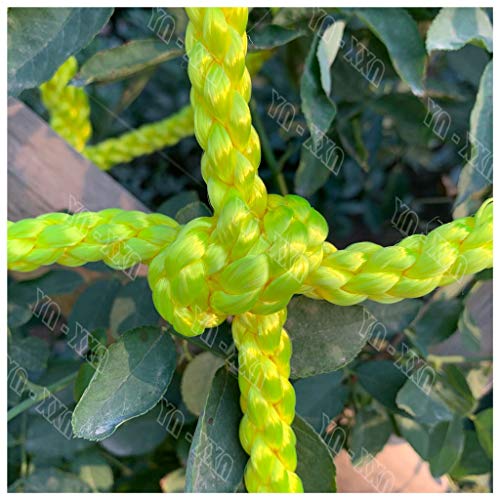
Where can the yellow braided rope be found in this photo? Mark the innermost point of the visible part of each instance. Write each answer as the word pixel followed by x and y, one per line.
pixel 120 238
pixel 70 118
pixel 144 140
pixel 68 106
pixel 254 253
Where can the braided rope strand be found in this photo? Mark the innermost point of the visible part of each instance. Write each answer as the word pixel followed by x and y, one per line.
pixel 120 238
pixel 268 402
pixel 68 106
pixel 412 268
pixel 142 141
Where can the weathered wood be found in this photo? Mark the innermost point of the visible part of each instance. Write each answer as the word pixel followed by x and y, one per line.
pixel 45 174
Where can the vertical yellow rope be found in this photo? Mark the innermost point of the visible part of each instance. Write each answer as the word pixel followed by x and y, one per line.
pixel 216 44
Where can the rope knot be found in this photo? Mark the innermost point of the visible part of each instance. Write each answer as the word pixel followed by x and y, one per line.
pixel 237 262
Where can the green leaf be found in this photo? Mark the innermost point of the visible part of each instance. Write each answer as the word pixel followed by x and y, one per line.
pixel 474 460
pixel 133 307
pixel 216 459
pixel 270 37
pixel 399 33
pixel 52 438
pixel 394 318
pixel 328 47
pixel 319 110
pixel 416 434
pixel 484 428
pixel 136 437
pixel 93 470
pixel 197 379
pixel 325 337
pixel 31 353
pixel 446 446
pixel 369 435
pixel 126 60
pixel 453 28
pixel 477 174
pixel 452 388
pixel 18 314
pixel 171 206
pixel 312 172
pixel 469 331
pixel 92 308
pixel 438 322
pixel 55 282
pixel 51 480
pixel 382 380
pixel 192 211
pixel 41 39
pixel 314 462
pixel 127 383
pixel 319 396
pixel 83 378
pixel 425 408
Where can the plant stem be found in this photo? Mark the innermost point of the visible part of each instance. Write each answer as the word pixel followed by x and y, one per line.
pixel 456 359
pixel 127 471
pixel 278 176
pixel 40 396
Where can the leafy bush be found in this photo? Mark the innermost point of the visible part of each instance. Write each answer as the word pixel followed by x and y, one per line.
pixel 105 396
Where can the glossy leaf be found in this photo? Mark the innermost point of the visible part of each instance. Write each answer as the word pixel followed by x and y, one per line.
pixel 477 173
pixel 381 379
pixel 474 460
pixel 369 435
pixel 328 47
pixel 314 461
pixel 426 408
pixel 271 36
pixel 41 39
pixel 319 397
pixel 317 107
pixel 446 446
pixel 455 27
pixel 438 322
pixel 137 437
pixel 133 307
pixel 92 308
pixel 197 379
pixel 399 33
pixel 216 459
pixel 324 337
pixel 126 60
pixel 484 428
pixel 312 172
pixel 127 383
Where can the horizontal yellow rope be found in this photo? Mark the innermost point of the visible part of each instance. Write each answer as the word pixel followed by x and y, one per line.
pixel 120 238
pixel 412 268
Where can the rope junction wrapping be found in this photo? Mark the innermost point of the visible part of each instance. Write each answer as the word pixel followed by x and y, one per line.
pixel 253 254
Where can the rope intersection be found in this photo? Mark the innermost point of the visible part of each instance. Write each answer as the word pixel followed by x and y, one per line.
pixel 253 254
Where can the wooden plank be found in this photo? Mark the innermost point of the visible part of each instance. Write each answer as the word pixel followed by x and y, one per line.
pixel 45 174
